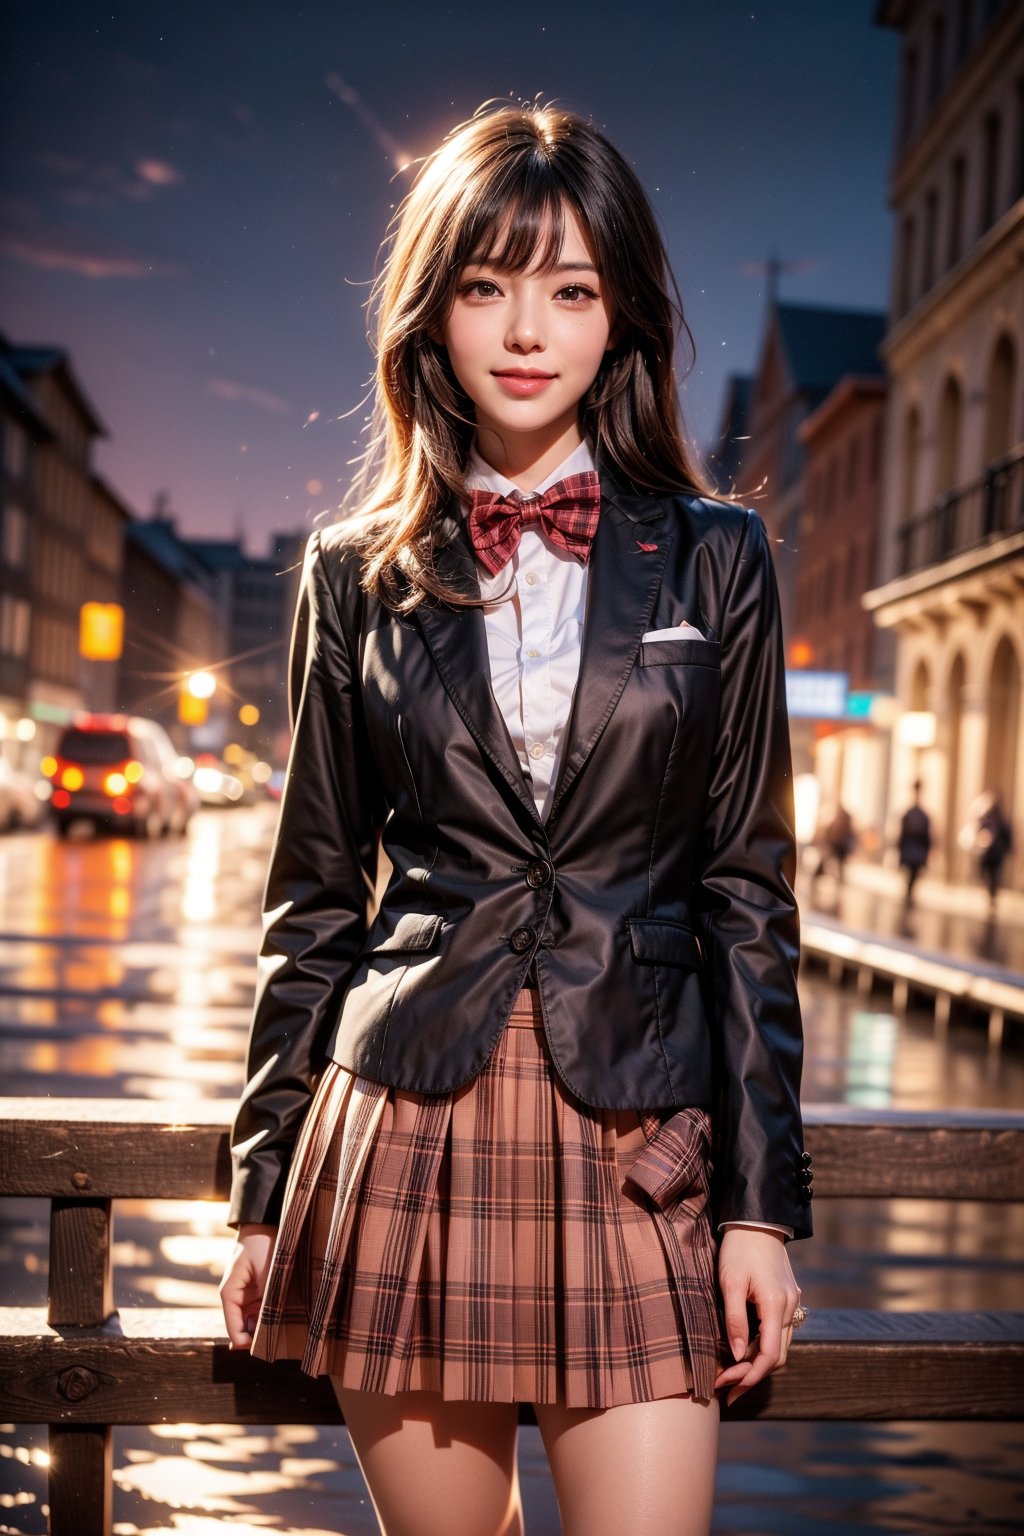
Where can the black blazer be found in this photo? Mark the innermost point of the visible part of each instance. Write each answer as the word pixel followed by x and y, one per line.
pixel 655 899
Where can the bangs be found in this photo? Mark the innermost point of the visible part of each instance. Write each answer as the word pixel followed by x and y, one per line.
pixel 516 219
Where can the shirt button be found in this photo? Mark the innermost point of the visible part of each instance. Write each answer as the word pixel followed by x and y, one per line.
pixel 531 578
pixel 533 651
pixel 537 750
pixel 521 939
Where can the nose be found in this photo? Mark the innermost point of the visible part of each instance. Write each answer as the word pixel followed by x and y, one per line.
pixel 525 326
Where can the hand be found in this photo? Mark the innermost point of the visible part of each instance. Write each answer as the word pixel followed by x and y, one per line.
pixel 754 1266
pixel 241 1290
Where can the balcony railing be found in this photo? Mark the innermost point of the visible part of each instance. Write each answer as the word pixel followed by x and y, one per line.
pixel 976 514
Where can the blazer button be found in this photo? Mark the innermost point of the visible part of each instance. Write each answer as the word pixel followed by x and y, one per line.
pixel 538 873
pixel 805 1158
pixel 521 939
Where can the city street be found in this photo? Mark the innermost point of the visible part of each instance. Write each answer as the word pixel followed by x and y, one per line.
pixel 127 968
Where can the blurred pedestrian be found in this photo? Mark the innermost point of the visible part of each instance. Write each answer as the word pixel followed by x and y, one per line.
pixel 915 840
pixel 990 837
pixel 836 841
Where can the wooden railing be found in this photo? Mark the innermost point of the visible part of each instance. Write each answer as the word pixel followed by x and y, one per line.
pixel 80 1367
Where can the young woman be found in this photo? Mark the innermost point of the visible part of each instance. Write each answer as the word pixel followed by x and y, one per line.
pixel 530 1132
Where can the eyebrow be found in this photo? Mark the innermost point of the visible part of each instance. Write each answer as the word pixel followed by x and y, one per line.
pixel 562 266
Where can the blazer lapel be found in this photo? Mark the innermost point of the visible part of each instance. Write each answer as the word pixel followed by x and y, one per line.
pixel 457 640
pixel 627 562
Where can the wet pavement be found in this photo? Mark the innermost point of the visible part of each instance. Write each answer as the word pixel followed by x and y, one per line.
pixel 127 968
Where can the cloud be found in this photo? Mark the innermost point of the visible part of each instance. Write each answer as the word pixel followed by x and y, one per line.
pixel 158 173
pixel 250 394
pixel 99 184
pixel 57 254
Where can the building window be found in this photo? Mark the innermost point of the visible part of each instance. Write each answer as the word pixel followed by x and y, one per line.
pixel 906 283
pixel 908 100
pixel 14 625
pixel 15 449
pixel 875 462
pixel 957 181
pixel 937 57
pixel 14 538
pixel 931 220
pixel 963 29
pixel 990 171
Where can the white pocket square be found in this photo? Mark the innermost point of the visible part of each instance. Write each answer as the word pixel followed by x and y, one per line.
pixel 683 631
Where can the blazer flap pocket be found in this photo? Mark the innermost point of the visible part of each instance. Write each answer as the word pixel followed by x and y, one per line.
pixel 413 931
pixel 663 940
pixel 692 652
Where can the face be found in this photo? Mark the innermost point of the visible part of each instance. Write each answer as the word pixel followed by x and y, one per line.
pixel 526 346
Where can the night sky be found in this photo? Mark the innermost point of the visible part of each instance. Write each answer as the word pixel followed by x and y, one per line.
pixel 193 196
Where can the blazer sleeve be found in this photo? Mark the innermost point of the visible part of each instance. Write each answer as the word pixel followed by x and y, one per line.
pixel 321 875
pixel 747 916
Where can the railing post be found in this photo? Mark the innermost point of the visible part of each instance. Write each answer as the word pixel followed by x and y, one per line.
pixel 81 1295
pixel 81 1480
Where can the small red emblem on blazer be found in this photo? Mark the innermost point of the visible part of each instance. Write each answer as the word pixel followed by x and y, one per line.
pixel 648 547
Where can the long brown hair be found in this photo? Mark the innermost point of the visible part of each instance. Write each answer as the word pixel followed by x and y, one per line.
pixel 505 178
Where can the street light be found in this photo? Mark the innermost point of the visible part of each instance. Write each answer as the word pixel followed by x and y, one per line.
pixel 196 691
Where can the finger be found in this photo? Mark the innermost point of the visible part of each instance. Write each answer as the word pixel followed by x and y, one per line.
pixel 736 1327
pixel 767 1357
pixel 732 1374
pixel 234 1321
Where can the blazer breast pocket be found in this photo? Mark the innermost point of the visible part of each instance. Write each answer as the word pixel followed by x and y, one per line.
pixel 682 652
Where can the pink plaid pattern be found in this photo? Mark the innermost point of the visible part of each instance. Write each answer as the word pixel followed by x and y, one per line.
pixel 500 1243
pixel 567 511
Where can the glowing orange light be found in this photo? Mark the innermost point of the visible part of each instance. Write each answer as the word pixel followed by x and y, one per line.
pixel 192 711
pixel 115 783
pixel 801 654
pixel 72 778
pixel 60 798
pixel 48 766
pixel 133 771
pixel 101 631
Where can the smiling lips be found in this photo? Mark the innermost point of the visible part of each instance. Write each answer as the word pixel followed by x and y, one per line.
pixel 523 381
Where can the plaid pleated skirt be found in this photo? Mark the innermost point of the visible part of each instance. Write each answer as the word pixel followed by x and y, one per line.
pixel 502 1243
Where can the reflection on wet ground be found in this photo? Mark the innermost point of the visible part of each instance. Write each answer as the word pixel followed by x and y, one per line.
pixel 128 969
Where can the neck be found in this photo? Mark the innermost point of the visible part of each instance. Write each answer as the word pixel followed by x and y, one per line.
pixel 525 458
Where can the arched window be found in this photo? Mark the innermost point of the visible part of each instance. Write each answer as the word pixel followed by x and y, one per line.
pixel 947 459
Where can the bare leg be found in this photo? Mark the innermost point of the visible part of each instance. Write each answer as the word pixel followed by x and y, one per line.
pixel 434 1467
pixel 645 1468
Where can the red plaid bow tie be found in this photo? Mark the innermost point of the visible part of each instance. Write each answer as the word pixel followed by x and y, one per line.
pixel 567 511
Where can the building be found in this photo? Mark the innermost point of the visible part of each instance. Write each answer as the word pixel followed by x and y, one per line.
pixel 949 590
pixel 173 626
pixel 50 426
pixel 23 428
pixel 806 350
pixel 257 594
pixel 844 456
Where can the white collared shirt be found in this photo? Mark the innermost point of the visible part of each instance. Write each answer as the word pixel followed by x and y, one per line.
pixel 533 642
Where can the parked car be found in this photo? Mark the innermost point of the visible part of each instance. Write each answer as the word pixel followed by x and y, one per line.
pixel 216 784
pixel 20 805
pixel 121 771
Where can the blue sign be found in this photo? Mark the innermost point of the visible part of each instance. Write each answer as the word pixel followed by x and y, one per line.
pixel 816 695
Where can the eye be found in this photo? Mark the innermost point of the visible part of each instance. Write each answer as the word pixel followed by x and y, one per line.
pixel 577 293
pixel 477 283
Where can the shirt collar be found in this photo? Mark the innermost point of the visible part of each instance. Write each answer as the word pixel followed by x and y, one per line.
pixel 481 476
